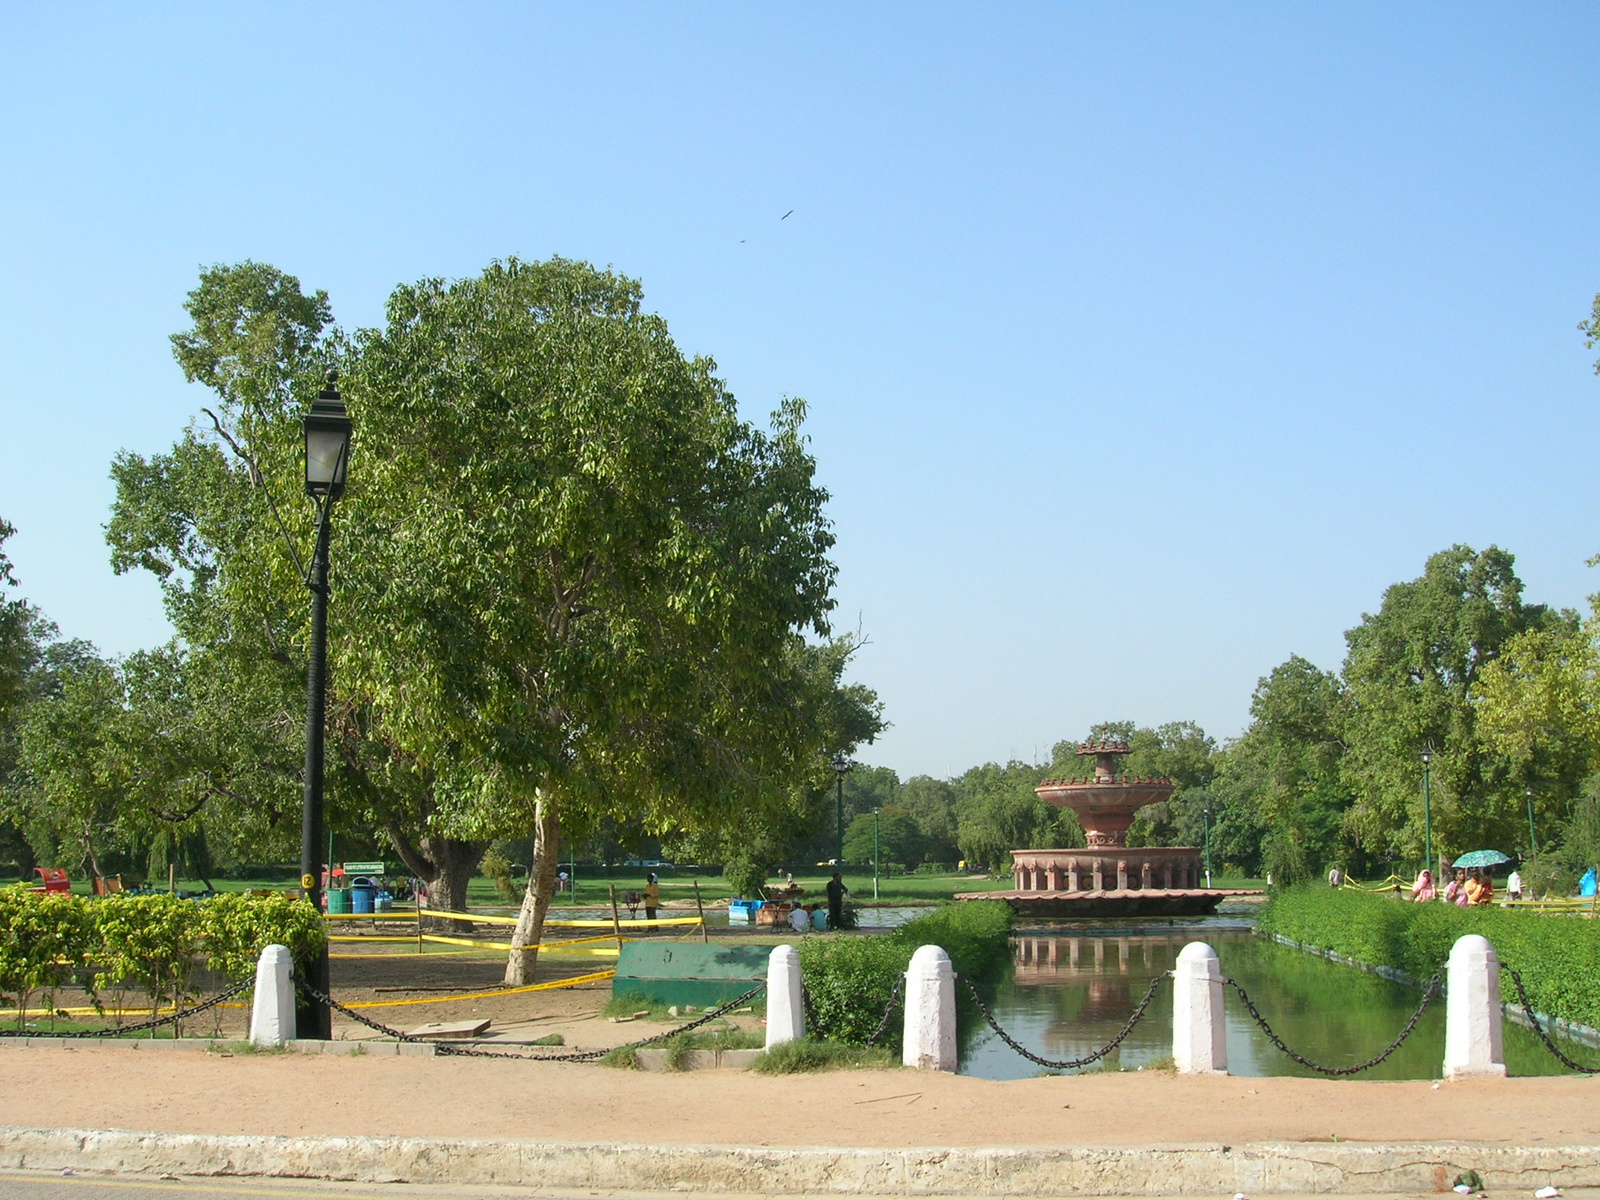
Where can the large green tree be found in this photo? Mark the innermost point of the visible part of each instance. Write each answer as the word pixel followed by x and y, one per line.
pixel 581 575
pixel 1410 674
pixel 220 520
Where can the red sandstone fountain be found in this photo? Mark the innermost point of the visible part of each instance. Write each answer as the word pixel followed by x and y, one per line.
pixel 1108 878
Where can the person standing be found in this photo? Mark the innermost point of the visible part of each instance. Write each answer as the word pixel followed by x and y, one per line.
pixel 836 894
pixel 652 897
pixel 1514 886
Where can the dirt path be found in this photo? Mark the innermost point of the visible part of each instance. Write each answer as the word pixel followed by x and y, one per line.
pixel 127 1087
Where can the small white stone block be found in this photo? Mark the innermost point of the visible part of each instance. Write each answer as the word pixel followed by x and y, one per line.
pixel 1473 1047
pixel 272 1011
pixel 1199 1034
pixel 786 1010
pixel 930 1033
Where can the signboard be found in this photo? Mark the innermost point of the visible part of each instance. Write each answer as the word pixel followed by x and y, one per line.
pixel 363 868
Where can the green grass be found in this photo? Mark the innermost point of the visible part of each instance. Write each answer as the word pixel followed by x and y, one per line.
pixel 804 1054
pixel 592 890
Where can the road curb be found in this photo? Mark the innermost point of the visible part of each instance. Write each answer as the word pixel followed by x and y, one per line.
pixel 1263 1168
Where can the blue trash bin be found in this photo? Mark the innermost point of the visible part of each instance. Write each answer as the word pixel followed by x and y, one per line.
pixel 362 898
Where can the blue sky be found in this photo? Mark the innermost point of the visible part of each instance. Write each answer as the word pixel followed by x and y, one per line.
pixel 1144 344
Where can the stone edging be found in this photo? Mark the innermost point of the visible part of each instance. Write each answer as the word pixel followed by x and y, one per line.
pixel 1586 1035
pixel 1264 1168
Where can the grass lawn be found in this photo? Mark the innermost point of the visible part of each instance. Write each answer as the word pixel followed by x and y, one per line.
pixel 678 886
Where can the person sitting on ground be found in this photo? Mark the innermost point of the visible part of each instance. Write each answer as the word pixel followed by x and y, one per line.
pixel 1423 890
pixel 799 919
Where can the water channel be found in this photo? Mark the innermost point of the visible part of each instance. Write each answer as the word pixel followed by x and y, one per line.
pixel 1071 991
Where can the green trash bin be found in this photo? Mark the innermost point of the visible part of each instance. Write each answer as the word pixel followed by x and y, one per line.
pixel 338 900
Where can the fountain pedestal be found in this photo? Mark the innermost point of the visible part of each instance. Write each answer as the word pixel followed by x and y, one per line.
pixel 1108 878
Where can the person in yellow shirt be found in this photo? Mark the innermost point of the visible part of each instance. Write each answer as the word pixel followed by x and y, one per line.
pixel 652 897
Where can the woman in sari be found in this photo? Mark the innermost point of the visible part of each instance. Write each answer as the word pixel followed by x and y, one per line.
pixel 1455 891
pixel 1423 890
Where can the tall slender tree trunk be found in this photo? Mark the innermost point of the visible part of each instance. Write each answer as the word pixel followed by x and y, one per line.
pixel 536 899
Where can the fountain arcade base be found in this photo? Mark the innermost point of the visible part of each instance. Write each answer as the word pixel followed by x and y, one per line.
pixel 1108 881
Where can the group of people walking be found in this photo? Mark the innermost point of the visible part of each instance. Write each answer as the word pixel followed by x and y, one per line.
pixel 1467 888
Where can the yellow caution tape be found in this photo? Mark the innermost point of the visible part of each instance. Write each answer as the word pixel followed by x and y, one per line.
pixel 595 977
pixel 588 923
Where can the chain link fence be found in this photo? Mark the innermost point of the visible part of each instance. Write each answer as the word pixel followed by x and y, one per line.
pixel 1068 1064
pixel 1538 1027
pixel 172 1018
pixel 448 1048
pixel 1433 987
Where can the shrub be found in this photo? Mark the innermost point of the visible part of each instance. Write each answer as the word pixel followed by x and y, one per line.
pixel 150 940
pixel 850 979
pixel 239 927
pixel 47 939
pixel 1557 956
pixel 809 1054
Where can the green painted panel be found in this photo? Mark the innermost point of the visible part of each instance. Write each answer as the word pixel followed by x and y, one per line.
pixel 685 973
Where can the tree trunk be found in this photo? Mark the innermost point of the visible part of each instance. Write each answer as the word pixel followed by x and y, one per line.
pixel 445 866
pixel 536 899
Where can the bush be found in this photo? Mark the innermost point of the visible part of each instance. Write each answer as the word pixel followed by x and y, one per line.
pixel 239 927
pixel 850 979
pixel 808 1054
pixel 1557 956
pixel 151 942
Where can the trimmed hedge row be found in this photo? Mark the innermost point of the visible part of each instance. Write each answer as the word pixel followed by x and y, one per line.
pixel 850 979
pixel 145 943
pixel 1558 957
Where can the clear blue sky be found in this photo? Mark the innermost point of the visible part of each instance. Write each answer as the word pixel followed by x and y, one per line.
pixel 1145 344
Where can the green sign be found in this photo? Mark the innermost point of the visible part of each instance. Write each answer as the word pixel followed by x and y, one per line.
pixel 372 868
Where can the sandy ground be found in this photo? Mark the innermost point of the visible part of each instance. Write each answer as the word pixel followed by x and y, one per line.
pixel 127 1087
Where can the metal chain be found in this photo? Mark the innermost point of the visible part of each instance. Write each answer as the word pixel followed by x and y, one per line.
pixel 1429 992
pixel 1067 1064
pixel 446 1048
pixel 1527 1009
pixel 888 1009
pixel 142 1026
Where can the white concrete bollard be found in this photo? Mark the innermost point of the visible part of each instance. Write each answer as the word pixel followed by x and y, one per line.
pixel 272 1011
pixel 930 1034
pixel 1199 1035
pixel 1472 1037
pixel 786 1008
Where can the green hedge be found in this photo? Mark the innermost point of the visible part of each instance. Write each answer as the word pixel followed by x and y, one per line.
pixel 147 943
pixel 1558 957
pixel 850 979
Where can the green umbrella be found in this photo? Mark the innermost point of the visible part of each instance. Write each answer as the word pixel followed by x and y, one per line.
pixel 1481 858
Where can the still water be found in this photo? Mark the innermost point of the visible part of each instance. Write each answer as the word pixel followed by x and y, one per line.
pixel 1069 994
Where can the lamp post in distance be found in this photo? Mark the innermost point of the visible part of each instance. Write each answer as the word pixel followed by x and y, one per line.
pixel 327 433
pixel 842 766
pixel 1533 845
pixel 1427 810
pixel 1207 826
pixel 875 852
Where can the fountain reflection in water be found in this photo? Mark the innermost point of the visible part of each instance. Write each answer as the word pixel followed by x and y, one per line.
pixel 1069 994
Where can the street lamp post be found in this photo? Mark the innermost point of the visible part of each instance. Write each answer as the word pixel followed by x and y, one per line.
pixel 1427 812
pixel 841 767
pixel 1533 845
pixel 327 433
pixel 1207 822
pixel 875 852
